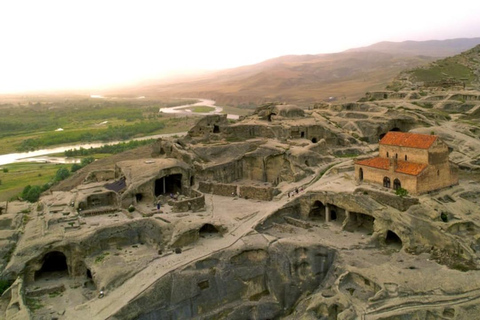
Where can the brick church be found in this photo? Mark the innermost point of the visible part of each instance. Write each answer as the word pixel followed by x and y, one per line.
pixel 416 162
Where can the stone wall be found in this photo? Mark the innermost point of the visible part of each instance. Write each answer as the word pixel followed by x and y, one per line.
pixel 258 193
pixel 264 193
pixel 220 189
pixel 195 203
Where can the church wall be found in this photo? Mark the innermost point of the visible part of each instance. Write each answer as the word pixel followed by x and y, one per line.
pixel 438 153
pixel 413 154
pixel 435 177
pixel 376 176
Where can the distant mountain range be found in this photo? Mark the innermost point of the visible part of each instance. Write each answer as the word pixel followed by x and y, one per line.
pixel 305 79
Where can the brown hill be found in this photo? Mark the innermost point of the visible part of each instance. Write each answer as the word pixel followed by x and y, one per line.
pixel 305 79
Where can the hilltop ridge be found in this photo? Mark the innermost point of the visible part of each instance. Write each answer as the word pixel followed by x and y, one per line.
pixel 305 79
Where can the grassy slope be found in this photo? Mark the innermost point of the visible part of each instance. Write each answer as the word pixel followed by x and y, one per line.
pixel 20 175
pixel 463 67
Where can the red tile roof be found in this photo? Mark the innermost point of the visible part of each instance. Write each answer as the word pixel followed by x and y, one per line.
pixel 379 163
pixel 410 168
pixel 410 140
pixel 405 167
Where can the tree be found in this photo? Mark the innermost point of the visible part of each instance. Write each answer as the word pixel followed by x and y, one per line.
pixel 401 192
pixel 62 174
pixel 33 194
pixel 75 167
pixel 87 160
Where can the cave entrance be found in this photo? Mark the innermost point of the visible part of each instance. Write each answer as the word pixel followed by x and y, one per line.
pixel 302 134
pixel 54 265
pixel 269 117
pixel 393 240
pixel 360 174
pixel 89 284
pixel 317 212
pixel 168 184
pixel 208 230
pixel 396 129
pixel 360 222
pixel 138 197
pixel 314 140
pixel 337 214
pixel 216 129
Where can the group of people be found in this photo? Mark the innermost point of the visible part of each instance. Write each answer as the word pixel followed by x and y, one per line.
pixel 294 192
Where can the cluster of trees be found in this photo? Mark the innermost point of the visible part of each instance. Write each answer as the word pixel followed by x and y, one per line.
pixel 32 193
pixel 83 163
pixel 108 149
pixel 112 133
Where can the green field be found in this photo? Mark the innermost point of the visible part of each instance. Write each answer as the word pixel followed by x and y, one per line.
pixel 202 109
pixel 444 69
pixel 22 174
pixel 29 125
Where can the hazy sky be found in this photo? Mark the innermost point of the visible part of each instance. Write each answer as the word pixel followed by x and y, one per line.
pixel 69 43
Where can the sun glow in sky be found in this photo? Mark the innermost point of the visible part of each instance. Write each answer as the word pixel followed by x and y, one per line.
pixel 86 44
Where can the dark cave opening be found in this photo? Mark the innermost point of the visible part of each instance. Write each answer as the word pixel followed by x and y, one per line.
pixel 392 239
pixel 317 212
pixel 168 184
pixel 53 262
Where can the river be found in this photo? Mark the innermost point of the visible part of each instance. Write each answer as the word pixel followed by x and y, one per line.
pixel 185 109
pixel 42 155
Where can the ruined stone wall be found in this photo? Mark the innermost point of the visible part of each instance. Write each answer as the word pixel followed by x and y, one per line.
pixel 413 154
pixel 220 189
pixel 205 187
pixel 376 176
pixel 258 193
pixel 195 203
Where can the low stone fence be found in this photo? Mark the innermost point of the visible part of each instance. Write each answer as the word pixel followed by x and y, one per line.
pixel 196 202
pixel 97 211
pixel 219 189
pixel 264 193
pixel 257 193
